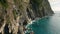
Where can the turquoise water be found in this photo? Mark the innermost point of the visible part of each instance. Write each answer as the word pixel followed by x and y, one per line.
pixel 46 25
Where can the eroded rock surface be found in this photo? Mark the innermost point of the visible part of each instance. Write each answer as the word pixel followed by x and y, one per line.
pixel 18 13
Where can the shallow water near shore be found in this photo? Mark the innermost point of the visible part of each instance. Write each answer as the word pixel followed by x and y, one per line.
pixel 46 25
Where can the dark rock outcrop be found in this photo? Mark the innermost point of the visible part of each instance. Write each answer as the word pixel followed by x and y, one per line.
pixel 42 9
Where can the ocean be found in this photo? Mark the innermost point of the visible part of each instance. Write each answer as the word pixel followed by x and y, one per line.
pixel 46 25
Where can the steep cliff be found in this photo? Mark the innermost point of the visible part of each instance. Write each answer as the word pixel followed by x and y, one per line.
pixel 31 9
pixel 17 13
pixel 39 8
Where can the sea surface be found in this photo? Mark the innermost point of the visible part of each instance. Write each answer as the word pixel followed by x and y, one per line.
pixel 45 25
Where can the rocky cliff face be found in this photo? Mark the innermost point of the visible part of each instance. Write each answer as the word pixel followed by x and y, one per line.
pixel 35 8
pixel 17 13
pixel 31 9
pixel 39 9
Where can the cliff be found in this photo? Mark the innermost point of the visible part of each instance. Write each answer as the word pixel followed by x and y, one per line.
pixel 39 8
pixel 17 13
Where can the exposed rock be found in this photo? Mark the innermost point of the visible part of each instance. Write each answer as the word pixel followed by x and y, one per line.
pixel 17 13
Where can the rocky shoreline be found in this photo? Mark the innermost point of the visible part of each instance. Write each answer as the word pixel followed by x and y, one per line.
pixel 16 14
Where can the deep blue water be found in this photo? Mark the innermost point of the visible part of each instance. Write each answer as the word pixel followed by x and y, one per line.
pixel 46 25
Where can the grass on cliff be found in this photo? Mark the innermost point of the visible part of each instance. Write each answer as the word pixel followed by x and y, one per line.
pixel 37 1
pixel 4 3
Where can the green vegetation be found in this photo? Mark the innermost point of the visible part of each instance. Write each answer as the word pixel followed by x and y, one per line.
pixel 15 14
pixel 8 21
pixel 4 3
pixel 14 1
pixel 37 1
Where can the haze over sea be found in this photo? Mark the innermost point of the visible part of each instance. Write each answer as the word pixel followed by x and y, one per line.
pixel 56 11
